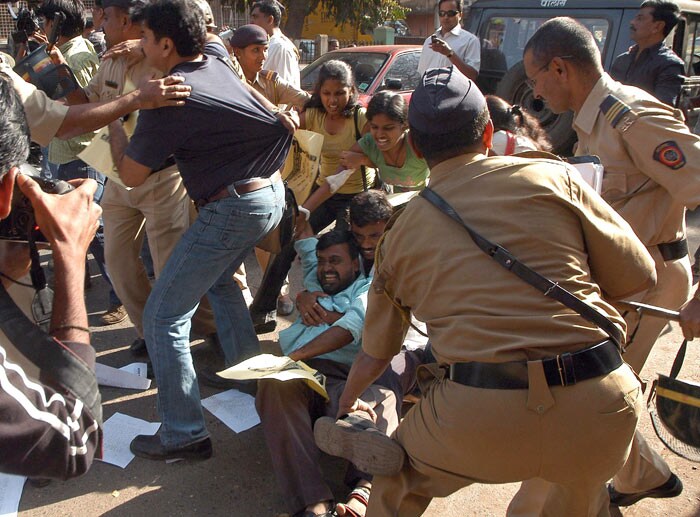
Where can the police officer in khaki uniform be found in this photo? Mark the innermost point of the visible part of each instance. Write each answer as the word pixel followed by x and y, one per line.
pixel 503 411
pixel 250 44
pixel 651 175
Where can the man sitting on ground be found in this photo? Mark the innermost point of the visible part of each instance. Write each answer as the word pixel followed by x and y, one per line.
pixel 288 409
pixel 370 212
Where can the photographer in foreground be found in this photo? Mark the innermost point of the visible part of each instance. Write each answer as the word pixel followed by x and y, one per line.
pixel 49 401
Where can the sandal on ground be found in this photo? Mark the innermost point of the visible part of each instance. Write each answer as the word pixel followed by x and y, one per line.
pixel 357 502
pixel 359 441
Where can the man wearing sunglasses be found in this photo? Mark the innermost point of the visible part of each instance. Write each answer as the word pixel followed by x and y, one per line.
pixel 451 44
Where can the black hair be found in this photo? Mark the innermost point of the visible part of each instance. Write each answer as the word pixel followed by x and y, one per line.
pixel 458 2
pixel 664 11
pixel 565 38
pixel 437 148
pixel 370 207
pixel 334 237
pixel 269 9
pixel 339 71
pixel 518 121
pixel 74 11
pixel 14 131
pixel 390 104
pixel 179 20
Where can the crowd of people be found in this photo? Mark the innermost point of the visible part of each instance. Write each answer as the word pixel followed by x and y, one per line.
pixel 399 303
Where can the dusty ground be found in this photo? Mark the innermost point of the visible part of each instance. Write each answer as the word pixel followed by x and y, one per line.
pixel 238 480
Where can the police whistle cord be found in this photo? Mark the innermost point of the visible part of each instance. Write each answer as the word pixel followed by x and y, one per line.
pixel 550 289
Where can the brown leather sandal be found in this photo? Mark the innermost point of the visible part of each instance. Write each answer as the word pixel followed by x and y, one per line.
pixel 357 502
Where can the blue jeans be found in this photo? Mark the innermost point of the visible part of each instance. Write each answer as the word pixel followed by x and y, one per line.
pixel 79 169
pixel 203 262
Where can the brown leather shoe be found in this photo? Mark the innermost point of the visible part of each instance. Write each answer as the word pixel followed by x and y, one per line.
pixel 114 315
pixel 670 488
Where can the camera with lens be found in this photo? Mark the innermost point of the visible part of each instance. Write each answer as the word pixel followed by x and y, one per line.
pixel 27 24
pixel 20 224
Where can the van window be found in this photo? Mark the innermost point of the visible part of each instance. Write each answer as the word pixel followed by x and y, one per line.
pixel 691 47
pixel 504 39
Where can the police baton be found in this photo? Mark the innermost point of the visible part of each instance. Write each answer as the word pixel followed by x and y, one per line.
pixel 651 310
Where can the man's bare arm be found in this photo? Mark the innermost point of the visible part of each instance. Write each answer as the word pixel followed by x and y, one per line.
pixel 153 94
pixel 131 172
pixel 332 339
pixel 69 223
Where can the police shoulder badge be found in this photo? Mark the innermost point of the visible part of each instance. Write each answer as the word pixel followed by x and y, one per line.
pixel 670 155
pixel 618 114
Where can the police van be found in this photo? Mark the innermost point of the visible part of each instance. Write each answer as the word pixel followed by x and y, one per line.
pixel 505 26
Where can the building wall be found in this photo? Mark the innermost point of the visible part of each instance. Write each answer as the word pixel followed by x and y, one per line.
pixel 421 24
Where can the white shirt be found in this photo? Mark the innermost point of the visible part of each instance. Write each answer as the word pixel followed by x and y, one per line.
pixel 283 58
pixel 462 42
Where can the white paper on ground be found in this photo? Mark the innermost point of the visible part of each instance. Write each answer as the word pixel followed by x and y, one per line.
pixel 10 494
pixel 132 376
pixel 119 431
pixel 234 408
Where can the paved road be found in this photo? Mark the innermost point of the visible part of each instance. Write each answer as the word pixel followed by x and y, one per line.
pixel 238 480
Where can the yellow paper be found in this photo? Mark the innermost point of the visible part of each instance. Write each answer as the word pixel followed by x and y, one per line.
pixel 98 154
pixel 268 366
pixel 301 168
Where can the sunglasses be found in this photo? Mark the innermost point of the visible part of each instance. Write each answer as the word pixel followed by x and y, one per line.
pixel 449 13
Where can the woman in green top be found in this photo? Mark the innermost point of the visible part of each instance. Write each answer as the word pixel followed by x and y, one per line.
pixel 385 148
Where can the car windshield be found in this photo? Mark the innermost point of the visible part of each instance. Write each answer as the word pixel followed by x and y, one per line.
pixel 365 66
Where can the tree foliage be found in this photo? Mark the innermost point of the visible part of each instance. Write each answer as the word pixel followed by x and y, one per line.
pixel 361 15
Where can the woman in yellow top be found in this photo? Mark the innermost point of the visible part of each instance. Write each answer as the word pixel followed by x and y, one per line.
pixel 333 112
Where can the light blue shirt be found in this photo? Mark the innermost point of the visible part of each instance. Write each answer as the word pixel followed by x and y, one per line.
pixel 351 302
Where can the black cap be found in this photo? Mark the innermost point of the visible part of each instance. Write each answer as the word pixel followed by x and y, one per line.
pixel 249 35
pixel 444 100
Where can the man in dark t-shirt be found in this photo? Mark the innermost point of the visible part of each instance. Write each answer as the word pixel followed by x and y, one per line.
pixel 228 146
pixel 650 64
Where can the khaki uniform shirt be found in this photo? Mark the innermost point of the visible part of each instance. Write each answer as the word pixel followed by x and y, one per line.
pixel 651 159
pixel 475 310
pixel 278 91
pixel 112 77
pixel 44 115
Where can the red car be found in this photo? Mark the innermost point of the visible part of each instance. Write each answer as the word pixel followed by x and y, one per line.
pixel 376 68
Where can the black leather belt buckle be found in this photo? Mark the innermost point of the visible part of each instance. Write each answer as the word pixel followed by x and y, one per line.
pixel 567 372
pixel 673 250
pixel 562 370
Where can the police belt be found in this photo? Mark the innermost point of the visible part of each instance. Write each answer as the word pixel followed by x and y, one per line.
pixel 562 370
pixel 241 187
pixel 673 250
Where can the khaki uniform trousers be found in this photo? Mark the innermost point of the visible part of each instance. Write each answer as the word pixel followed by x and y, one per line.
pixel 161 207
pixel 575 437
pixel 645 469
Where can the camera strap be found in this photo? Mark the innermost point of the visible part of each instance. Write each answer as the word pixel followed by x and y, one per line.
pixel 42 304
